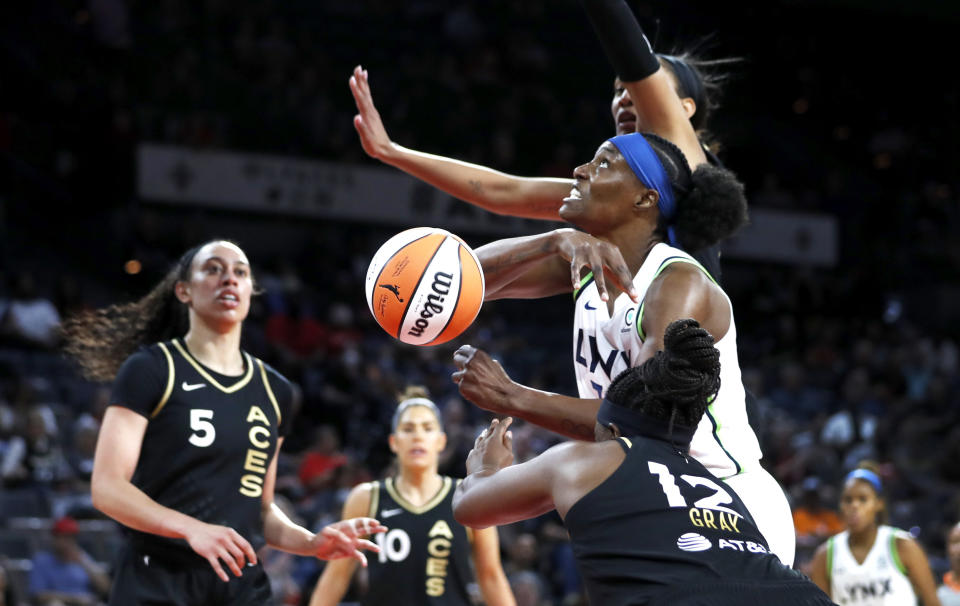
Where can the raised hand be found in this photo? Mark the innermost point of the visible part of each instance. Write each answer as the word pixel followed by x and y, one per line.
pixel 603 258
pixel 373 136
pixel 221 543
pixel 493 449
pixel 342 539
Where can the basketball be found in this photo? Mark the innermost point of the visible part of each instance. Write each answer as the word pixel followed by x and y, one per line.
pixel 424 286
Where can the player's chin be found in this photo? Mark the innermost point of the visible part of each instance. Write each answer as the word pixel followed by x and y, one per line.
pixel 570 208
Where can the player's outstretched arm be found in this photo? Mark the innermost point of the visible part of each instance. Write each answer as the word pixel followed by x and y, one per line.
pixel 655 101
pixel 334 541
pixel 118 450
pixel 335 580
pixel 532 267
pixel 492 190
pixel 483 381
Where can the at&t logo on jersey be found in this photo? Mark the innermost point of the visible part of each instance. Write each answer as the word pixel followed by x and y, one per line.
pixel 692 541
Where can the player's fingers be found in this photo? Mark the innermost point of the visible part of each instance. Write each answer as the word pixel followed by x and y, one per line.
pixel 358 555
pixel 334 534
pixel 463 355
pixel 230 560
pixel 575 267
pixel 596 265
pixel 245 546
pixel 622 275
pixel 508 441
pixel 502 427
pixel 367 545
pixel 236 556
pixel 218 569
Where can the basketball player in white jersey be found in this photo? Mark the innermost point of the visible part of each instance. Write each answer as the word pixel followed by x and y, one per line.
pixel 870 563
pixel 639 202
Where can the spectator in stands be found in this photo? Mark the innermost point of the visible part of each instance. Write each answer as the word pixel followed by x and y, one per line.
pixel 36 458
pixel 67 575
pixel 30 319
pixel 814 522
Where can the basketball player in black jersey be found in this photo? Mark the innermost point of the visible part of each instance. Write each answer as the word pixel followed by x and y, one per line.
pixel 187 454
pixel 649 524
pixel 425 557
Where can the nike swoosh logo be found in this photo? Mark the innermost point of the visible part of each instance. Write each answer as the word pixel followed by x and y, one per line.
pixel 389 513
pixel 588 306
pixel 187 387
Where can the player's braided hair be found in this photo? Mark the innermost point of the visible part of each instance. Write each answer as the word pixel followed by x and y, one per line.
pixel 677 383
pixel 711 204
pixel 100 340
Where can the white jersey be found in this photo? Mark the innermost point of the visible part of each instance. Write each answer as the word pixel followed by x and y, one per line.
pixel 605 345
pixel 880 581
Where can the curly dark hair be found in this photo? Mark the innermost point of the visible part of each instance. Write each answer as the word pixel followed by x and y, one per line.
pixel 711 204
pixel 100 340
pixel 677 383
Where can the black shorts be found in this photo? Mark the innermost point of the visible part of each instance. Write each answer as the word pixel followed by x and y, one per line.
pixel 745 593
pixel 145 580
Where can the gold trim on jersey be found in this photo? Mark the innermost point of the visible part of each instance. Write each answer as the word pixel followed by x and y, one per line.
pixel 433 502
pixel 170 382
pixel 266 385
pixel 203 373
pixel 469 530
pixel 626 441
pixel 374 498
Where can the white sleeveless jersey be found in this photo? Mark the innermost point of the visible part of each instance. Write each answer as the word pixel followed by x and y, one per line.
pixel 880 581
pixel 605 345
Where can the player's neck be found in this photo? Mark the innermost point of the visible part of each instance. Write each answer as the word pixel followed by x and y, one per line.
pixel 418 485
pixel 633 254
pixel 219 352
pixel 863 539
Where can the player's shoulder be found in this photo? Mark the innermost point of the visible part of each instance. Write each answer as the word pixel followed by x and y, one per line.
pixel 150 356
pixel 283 387
pixel 360 498
pixel 272 373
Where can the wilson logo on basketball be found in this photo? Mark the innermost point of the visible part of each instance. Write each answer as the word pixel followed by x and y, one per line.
pixel 424 286
pixel 434 305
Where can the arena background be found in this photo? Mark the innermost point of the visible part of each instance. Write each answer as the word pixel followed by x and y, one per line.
pixel 130 131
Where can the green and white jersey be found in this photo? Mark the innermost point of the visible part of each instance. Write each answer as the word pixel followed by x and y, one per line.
pixel 605 345
pixel 881 580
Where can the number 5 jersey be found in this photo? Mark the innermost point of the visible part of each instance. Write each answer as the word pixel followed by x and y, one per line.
pixel 209 442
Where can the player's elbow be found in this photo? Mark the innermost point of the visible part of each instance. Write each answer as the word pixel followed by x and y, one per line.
pixel 100 493
pixel 468 513
pixel 103 493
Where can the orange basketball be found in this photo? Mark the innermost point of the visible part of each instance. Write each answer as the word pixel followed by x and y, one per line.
pixel 425 286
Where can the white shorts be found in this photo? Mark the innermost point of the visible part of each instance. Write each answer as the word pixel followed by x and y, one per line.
pixel 770 510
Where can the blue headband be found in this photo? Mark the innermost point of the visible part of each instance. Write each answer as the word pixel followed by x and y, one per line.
pixel 865 474
pixel 635 423
pixel 639 154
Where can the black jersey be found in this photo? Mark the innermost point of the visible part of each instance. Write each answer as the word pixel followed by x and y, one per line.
pixel 661 522
pixel 424 557
pixel 210 438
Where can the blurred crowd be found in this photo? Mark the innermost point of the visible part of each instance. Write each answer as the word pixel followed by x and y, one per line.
pixel 855 362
